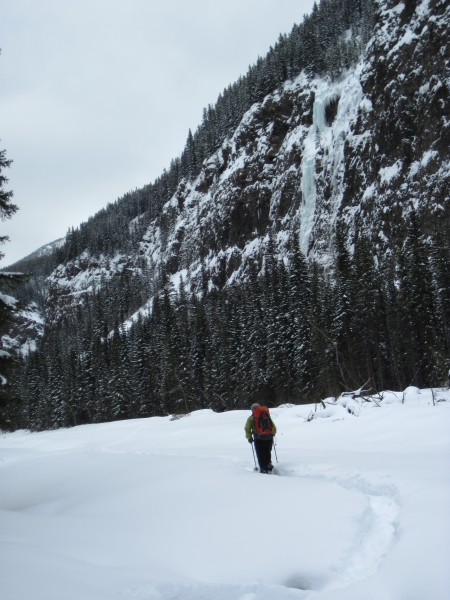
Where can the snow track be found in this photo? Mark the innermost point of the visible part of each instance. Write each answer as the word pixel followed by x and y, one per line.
pixel 376 534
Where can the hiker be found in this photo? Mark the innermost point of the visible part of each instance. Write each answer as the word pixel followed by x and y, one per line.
pixel 260 430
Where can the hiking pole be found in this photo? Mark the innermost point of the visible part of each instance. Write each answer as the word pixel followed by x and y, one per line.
pixel 254 458
pixel 275 449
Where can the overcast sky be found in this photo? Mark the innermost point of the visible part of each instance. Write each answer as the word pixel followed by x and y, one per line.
pixel 97 96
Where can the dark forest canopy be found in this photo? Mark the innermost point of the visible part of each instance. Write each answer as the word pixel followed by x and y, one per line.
pixel 291 334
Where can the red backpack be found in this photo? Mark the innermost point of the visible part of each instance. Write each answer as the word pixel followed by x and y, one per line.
pixel 263 424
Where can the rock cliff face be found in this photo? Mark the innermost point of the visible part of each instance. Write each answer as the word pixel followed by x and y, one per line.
pixel 27 329
pixel 357 154
pixel 398 157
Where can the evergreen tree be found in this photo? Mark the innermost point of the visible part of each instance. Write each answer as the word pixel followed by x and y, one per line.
pixel 367 326
pixel 440 274
pixel 8 281
pixel 416 296
pixel 342 306
pixel 301 317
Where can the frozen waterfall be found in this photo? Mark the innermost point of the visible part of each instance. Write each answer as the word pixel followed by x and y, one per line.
pixel 308 168
pixel 331 136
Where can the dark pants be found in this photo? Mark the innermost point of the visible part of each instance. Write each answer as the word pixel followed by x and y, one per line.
pixel 263 453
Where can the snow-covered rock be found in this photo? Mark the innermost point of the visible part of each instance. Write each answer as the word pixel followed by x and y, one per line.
pixel 356 154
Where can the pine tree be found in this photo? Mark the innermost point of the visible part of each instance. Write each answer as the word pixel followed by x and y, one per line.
pixel 342 307
pixel 272 314
pixel 300 310
pixel 7 303
pixel 367 326
pixel 394 350
pixel 416 288
pixel 7 208
pixel 325 347
pixel 180 350
pixel 439 261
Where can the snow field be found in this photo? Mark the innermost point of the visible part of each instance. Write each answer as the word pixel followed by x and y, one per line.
pixel 158 509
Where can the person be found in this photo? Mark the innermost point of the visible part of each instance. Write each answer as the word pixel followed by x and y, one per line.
pixel 262 443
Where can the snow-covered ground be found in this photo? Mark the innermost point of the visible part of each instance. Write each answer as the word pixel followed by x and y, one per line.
pixel 158 509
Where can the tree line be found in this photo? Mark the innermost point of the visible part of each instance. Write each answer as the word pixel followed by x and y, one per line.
pixel 292 333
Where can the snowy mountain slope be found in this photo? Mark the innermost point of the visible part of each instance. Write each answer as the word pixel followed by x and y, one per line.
pixel 351 170
pixel 157 509
pixel 28 324
pixel 45 250
pixel 398 155
pixel 356 155
pixel 24 334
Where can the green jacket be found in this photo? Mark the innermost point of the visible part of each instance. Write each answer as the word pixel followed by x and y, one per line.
pixel 250 430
